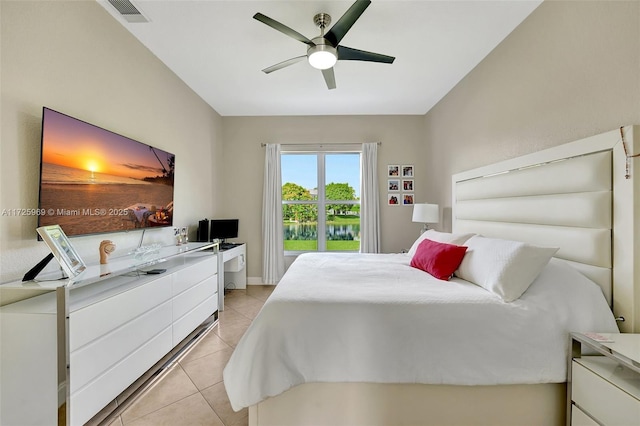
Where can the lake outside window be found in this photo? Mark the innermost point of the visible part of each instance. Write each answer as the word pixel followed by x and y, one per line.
pixel 321 201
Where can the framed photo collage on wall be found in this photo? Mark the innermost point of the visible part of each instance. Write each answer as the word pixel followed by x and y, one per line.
pixel 400 185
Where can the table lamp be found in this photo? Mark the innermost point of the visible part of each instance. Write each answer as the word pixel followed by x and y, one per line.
pixel 426 213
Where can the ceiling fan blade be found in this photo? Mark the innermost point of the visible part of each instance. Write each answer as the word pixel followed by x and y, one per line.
pixel 346 21
pixel 329 78
pixel 350 54
pixel 282 28
pixel 283 64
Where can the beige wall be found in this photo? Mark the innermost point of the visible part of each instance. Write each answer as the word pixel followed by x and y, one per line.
pixel 570 70
pixel 402 140
pixel 75 58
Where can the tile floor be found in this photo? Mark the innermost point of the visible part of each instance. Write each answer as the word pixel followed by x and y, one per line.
pixel 192 391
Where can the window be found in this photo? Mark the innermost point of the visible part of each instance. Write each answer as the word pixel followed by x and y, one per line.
pixel 321 201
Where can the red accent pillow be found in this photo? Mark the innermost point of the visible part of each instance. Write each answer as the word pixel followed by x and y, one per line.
pixel 438 259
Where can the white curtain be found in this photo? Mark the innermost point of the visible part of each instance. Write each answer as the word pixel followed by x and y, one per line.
pixel 370 202
pixel 272 239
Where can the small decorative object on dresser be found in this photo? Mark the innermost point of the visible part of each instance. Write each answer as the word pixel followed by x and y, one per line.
pixel 604 387
pixel 178 235
pixel 106 248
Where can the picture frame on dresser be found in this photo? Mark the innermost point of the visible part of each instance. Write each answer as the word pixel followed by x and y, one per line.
pixel 62 249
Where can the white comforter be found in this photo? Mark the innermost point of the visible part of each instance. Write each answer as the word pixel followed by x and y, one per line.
pixel 374 318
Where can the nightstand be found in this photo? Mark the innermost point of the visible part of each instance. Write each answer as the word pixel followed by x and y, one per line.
pixel 604 380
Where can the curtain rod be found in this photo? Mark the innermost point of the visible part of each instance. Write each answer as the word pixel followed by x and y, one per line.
pixel 315 144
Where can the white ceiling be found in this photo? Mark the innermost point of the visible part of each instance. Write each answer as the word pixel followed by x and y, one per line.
pixel 219 50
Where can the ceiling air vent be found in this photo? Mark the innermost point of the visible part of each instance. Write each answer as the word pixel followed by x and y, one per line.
pixel 128 11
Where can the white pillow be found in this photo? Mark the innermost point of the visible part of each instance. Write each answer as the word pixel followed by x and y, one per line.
pixel 439 237
pixel 503 267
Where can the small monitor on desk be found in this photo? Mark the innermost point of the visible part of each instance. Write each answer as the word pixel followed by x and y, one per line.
pixel 223 229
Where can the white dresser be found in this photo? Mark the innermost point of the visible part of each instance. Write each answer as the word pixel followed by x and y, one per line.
pixel 108 328
pixel 604 380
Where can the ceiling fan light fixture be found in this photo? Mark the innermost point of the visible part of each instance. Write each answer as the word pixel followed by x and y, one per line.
pixel 322 56
pixel 322 51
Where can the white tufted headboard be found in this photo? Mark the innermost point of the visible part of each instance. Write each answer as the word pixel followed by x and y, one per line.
pixel 574 196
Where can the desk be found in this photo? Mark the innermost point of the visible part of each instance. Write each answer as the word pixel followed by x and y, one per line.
pixel 234 266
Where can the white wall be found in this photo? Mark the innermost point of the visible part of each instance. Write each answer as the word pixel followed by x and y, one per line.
pixel 72 56
pixel 402 140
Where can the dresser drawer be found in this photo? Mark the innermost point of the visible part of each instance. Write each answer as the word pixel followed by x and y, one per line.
pixel 90 399
pixel 98 356
pixel 602 400
pixel 187 300
pixel 96 320
pixel 193 274
pixel 188 322
pixel 579 418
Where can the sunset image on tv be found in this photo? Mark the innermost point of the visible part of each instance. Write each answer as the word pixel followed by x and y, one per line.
pixel 95 181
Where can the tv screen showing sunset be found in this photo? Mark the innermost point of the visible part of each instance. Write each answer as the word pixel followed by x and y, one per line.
pixel 95 181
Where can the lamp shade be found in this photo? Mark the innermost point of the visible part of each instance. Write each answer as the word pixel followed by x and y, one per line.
pixel 426 213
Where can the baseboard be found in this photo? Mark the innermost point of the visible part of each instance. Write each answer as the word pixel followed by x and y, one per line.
pixel 256 281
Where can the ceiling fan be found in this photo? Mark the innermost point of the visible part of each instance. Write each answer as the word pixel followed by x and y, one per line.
pixel 323 51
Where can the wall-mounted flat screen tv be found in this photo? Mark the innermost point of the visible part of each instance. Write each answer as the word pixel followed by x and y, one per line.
pixel 95 181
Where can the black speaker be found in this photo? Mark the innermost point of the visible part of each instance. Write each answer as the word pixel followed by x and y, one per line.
pixel 203 230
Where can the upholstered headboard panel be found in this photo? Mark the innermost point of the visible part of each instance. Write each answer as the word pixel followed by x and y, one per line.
pixel 566 204
pixel 575 197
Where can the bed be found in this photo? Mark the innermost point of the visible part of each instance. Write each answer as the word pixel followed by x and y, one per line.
pixel 392 345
